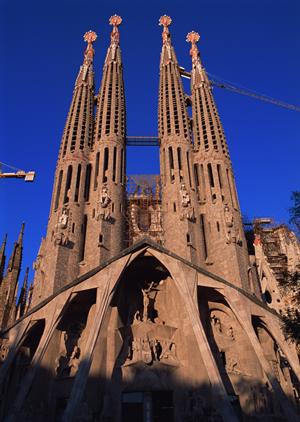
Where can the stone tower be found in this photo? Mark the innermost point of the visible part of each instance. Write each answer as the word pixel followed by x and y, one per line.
pixel 104 213
pixel 165 329
pixel 61 251
pixel 224 246
pixel 9 283
pixel 179 204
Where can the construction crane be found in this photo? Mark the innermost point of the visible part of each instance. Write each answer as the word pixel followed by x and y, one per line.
pixel 218 82
pixel 17 173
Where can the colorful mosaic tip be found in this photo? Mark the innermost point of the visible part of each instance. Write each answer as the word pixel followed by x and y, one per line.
pixel 115 20
pixel 193 37
pixel 165 20
pixel 90 37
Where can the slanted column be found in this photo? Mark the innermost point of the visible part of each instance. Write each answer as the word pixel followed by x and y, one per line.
pixel 178 189
pixel 226 251
pixel 60 253
pixel 105 213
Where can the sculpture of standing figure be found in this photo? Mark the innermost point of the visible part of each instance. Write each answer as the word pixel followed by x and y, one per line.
pixel 146 301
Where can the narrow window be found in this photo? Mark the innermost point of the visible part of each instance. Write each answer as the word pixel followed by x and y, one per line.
pixel 171 162
pixel 87 182
pixel 58 190
pixel 77 183
pixel 202 184
pixel 202 228
pixel 164 164
pixel 189 169
pixel 73 227
pixel 210 175
pixel 188 239
pixel 121 166
pixel 231 190
pixel 196 174
pixel 68 184
pixel 96 170
pixel 174 206
pixel 105 165
pixel 220 175
pixel 83 238
pixel 100 239
pixel 114 164
pixel 218 227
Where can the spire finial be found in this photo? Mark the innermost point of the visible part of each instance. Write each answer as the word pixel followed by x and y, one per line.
pixel 193 37
pixel 115 21
pixel 165 21
pixel 20 238
pixel 89 37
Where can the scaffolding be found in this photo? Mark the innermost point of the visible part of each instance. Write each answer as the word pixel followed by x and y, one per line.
pixel 143 208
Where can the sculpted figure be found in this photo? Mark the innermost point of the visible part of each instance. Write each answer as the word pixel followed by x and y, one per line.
pixel 104 201
pixel 63 219
pixel 185 197
pixel 146 301
pixel 228 216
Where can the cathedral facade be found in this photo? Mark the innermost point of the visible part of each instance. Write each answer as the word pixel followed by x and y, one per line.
pixel 145 305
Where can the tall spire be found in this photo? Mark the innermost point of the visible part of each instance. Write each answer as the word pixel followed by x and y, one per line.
pixel 207 127
pixel 173 117
pixel 105 225
pixel 79 125
pixel 9 285
pixel 178 193
pixel 2 257
pixel 220 218
pixel 110 117
pixel 23 295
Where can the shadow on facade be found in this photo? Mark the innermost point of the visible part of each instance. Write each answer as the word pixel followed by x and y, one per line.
pixel 145 363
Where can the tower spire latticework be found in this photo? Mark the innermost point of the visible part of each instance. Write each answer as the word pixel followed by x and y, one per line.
pixel 60 252
pixel 225 247
pixel 105 214
pixel 178 193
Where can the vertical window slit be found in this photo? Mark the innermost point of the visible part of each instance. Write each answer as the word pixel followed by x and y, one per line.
pixel 68 184
pixel 87 182
pixel 210 175
pixel 114 164
pixel 220 175
pixel 202 228
pixel 171 162
pixel 58 190
pixel 83 238
pixel 96 171
pixel 105 165
pixel 77 183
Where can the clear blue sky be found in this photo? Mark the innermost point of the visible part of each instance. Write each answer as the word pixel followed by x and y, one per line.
pixel 252 43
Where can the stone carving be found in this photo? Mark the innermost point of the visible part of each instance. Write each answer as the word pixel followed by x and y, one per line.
pixel 61 236
pixel 187 209
pixel 4 349
pixel 70 353
pixel 231 235
pixel 104 212
pixel 221 327
pixel 146 301
pixel 150 350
